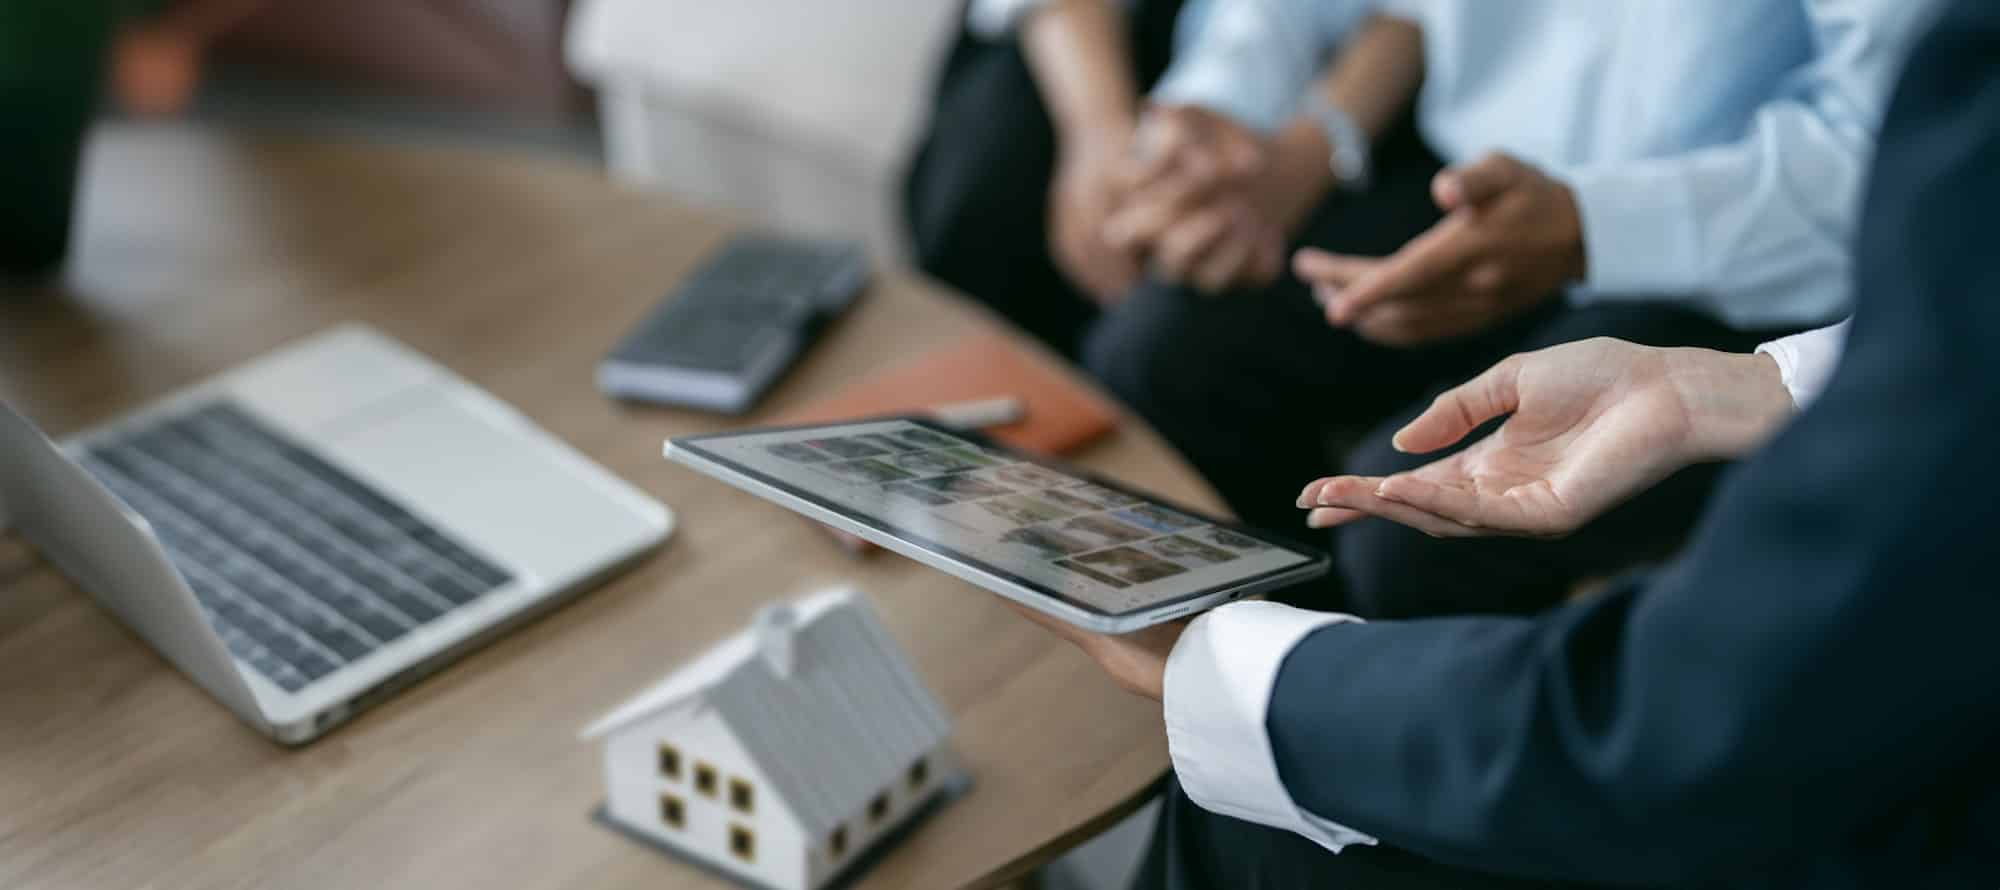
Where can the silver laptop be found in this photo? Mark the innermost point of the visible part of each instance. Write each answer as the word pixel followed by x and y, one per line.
pixel 310 532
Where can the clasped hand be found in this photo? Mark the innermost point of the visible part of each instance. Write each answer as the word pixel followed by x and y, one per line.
pixel 1188 196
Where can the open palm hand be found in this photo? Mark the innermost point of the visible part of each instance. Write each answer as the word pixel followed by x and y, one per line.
pixel 1589 424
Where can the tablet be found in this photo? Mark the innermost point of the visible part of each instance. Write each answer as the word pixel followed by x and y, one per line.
pixel 1083 549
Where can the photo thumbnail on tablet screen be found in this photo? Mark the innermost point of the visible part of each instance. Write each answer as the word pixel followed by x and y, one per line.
pixel 1095 545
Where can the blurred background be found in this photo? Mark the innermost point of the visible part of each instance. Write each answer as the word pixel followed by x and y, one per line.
pixel 797 112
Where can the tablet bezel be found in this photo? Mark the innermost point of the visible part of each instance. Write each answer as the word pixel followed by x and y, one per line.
pixel 690 450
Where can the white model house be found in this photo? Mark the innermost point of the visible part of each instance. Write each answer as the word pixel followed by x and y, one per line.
pixel 785 752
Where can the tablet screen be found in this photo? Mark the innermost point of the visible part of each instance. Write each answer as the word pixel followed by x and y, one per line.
pixel 1083 541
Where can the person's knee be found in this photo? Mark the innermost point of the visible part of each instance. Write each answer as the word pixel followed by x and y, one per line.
pixel 967 196
pixel 953 215
pixel 954 222
pixel 1150 350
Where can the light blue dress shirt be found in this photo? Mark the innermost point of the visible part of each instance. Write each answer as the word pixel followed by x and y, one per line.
pixel 1716 148
pixel 998 19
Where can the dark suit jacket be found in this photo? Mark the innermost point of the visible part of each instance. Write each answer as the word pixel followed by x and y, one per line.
pixel 1810 697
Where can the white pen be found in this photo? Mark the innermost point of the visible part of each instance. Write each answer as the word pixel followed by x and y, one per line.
pixel 979 414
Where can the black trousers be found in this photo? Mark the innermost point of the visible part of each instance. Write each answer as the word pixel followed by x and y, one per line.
pixel 976 196
pixel 1194 849
pixel 1255 389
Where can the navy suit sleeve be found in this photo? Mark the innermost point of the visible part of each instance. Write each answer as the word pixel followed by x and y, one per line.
pixel 1822 655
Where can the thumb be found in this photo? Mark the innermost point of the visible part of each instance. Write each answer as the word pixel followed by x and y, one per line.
pixel 1161 141
pixel 1462 408
pixel 1242 151
pixel 1474 184
pixel 1316 266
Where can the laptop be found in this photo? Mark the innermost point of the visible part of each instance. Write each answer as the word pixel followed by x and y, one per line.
pixel 310 532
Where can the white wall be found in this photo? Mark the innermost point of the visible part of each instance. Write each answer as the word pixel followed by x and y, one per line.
pixel 634 786
pixel 710 157
pixel 848 76
pixel 796 112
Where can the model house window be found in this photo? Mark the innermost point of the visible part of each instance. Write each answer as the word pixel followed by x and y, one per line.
pixel 704 779
pixel 672 812
pixel 670 761
pixel 879 807
pixel 742 843
pixel 837 844
pixel 919 773
pixel 740 796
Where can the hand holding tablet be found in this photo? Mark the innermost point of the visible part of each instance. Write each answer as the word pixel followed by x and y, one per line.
pixel 1083 550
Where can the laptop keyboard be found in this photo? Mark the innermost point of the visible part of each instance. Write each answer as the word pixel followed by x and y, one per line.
pixel 300 567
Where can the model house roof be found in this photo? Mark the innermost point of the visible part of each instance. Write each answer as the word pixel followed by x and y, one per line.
pixel 820 696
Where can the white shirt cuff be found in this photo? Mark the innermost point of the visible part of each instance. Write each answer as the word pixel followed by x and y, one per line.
pixel 1807 361
pixel 1217 693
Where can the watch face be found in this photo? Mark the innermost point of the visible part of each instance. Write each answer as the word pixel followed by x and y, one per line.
pixel 1349 156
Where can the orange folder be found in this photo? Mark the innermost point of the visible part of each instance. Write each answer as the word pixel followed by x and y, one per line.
pixel 1060 415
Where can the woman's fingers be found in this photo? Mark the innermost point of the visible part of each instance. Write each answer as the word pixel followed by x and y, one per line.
pixel 1328 517
pixel 1357 494
pixel 1332 269
pixel 1428 523
pixel 1224 264
pixel 1310 495
pixel 1183 246
pixel 1317 490
pixel 1461 409
pixel 1461 505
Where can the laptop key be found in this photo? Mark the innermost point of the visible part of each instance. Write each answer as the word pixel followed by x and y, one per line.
pixel 287 647
pixel 277 671
pixel 489 575
pixel 313 665
pixel 445 583
pixel 416 607
pixel 368 616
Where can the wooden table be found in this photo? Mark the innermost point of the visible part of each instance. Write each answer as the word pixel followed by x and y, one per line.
pixel 200 250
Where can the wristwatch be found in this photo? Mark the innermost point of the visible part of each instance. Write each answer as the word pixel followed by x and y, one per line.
pixel 1349 157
